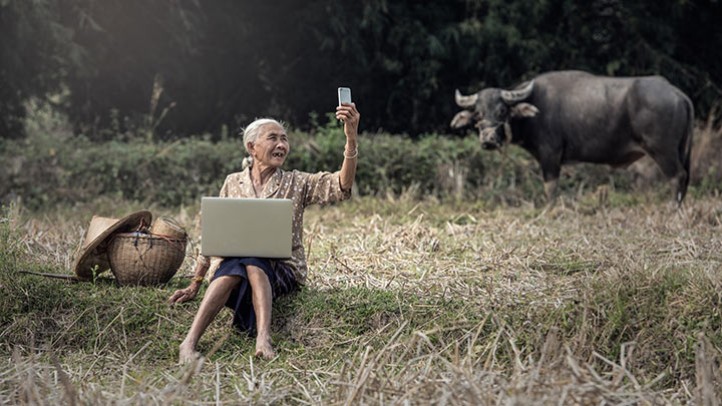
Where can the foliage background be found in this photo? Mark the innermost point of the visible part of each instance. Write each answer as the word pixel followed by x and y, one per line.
pixel 188 67
pixel 140 99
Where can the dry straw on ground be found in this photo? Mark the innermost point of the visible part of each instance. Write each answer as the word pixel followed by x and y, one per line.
pixel 590 303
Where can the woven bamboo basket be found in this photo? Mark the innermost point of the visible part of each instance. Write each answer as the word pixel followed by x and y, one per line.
pixel 145 259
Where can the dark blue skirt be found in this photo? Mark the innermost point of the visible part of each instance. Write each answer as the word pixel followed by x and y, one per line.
pixel 240 300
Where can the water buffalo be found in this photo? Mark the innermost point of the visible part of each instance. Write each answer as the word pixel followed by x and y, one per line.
pixel 572 116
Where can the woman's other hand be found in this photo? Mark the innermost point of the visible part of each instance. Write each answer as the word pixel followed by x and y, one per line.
pixel 184 295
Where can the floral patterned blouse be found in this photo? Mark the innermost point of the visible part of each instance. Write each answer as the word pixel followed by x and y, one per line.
pixel 304 189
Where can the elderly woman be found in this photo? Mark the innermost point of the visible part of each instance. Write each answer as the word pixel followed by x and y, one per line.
pixel 248 285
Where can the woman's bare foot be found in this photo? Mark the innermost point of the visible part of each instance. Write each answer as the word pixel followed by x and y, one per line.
pixel 187 354
pixel 264 348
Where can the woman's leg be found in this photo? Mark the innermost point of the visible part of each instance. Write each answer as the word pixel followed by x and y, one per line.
pixel 215 297
pixel 262 296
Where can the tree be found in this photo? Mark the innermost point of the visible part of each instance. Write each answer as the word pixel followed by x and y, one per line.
pixel 172 68
pixel 35 51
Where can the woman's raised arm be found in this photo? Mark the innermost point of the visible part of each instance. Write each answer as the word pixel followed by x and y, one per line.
pixel 350 117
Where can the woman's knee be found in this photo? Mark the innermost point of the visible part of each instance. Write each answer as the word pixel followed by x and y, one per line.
pixel 256 274
pixel 225 282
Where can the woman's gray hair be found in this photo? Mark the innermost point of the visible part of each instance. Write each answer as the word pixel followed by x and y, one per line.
pixel 251 133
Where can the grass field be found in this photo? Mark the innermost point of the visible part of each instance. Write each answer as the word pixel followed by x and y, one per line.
pixel 608 298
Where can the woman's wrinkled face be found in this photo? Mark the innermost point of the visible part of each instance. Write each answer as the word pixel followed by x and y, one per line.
pixel 271 147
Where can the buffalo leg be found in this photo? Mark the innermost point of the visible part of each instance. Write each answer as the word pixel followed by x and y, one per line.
pixel 672 168
pixel 550 172
pixel 550 189
pixel 681 181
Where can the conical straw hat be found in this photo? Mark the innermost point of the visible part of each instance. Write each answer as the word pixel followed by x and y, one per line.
pixel 91 254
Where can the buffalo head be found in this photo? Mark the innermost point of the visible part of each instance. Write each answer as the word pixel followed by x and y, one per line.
pixel 490 111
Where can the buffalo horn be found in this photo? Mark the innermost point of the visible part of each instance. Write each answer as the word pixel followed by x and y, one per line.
pixel 514 96
pixel 465 101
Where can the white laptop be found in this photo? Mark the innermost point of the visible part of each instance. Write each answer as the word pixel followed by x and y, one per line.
pixel 235 227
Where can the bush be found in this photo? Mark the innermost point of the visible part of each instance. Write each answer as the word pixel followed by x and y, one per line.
pixel 53 166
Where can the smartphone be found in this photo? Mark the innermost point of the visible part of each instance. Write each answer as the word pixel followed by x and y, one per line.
pixel 344 95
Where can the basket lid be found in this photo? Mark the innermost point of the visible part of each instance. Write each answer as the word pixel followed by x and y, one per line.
pixel 100 228
pixel 168 227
